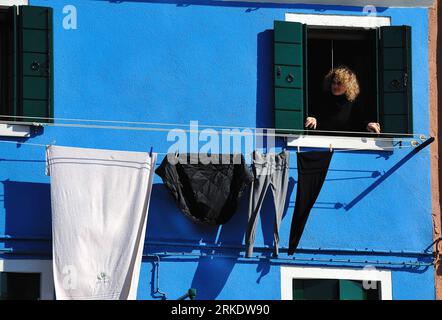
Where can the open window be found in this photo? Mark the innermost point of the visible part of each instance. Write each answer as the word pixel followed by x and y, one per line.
pixel 326 283
pixel 20 286
pixel 354 48
pixel 335 289
pixel 26 64
pixel 26 279
pixel 381 58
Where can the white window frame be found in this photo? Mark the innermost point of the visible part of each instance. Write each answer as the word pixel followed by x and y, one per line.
pixel 15 130
pixel 339 142
pixel 337 20
pixel 7 3
pixel 288 273
pixel 357 3
pixel 44 267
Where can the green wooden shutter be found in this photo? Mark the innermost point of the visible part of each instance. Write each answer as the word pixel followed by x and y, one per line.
pixel 395 87
pixel 35 67
pixel 289 71
pixel 351 290
pixel 9 65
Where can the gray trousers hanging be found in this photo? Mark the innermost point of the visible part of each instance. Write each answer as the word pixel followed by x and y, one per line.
pixel 269 170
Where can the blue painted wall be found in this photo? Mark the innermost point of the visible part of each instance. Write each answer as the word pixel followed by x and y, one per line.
pixel 210 61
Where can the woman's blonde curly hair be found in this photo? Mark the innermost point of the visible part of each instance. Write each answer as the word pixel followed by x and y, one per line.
pixel 347 78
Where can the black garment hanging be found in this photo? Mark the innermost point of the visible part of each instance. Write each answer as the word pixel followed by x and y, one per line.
pixel 312 170
pixel 206 192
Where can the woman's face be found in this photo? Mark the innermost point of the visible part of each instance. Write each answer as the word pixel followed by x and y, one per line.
pixel 337 87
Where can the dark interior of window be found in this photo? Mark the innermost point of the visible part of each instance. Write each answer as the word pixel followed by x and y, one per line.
pixel 335 289
pixel 356 49
pixel 19 286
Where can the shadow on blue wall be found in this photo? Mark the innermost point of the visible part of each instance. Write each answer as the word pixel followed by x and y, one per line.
pixel 211 273
pixel 264 85
pixel 387 174
pixel 163 209
pixel 34 131
pixel 27 215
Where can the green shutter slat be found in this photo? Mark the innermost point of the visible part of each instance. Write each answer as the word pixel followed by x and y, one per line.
pixel 393 58
pixel 395 86
pixel 289 99
pixel 288 119
pixel 35 57
pixel 289 76
pixel 315 289
pixel 291 32
pixel 288 54
pixel 35 41
pixel 392 122
pixel 351 290
pixel 298 289
pixel 395 103
pixel 35 88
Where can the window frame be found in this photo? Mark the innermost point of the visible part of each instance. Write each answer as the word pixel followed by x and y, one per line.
pixel 43 267
pixel 288 273
pixel 331 141
pixel 8 3
pixel 14 130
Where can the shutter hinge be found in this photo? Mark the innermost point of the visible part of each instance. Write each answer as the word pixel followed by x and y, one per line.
pixel 405 79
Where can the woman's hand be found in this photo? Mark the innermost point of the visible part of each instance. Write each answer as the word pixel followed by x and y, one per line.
pixel 374 127
pixel 310 123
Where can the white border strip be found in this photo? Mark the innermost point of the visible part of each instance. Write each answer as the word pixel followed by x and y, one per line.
pixel 335 142
pixel 353 3
pixel 14 2
pixel 288 273
pixel 339 20
pixel 13 130
pixel 44 267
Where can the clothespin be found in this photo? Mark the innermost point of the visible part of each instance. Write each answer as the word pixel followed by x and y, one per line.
pixel 299 149
pixel 150 153
pixel 331 148
pixel 51 144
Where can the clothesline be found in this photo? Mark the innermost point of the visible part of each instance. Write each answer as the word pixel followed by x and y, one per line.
pixel 295 131
pixel 166 153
